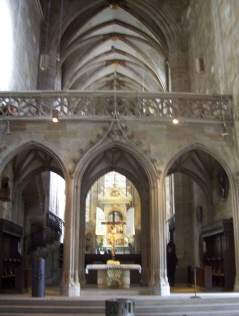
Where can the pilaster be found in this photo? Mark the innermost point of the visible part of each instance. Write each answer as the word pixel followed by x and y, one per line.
pixel 70 285
pixel 236 231
pixel 158 281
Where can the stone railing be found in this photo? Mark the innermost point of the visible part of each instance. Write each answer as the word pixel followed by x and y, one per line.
pixel 54 222
pixel 107 104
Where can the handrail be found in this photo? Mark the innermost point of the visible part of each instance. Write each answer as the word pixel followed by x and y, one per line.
pixel 95 105
pixel 41 239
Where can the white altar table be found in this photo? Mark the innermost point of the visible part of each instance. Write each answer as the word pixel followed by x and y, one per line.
pixel 113 275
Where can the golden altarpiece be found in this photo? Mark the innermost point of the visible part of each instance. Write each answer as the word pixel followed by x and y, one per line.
pixel 112 216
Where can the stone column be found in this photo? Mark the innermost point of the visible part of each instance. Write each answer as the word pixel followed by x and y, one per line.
pixel 236 229
pixel 81 254
pixel 159 282
pixel 17 203
pixel 70 285
pixel 145 243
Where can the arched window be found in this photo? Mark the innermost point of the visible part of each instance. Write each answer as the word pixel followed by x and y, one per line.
pixel 115 217
pixel 114 179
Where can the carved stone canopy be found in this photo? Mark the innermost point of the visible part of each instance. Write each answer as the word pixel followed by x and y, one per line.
pixel 115 196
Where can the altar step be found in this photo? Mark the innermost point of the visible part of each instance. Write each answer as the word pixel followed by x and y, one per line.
pixel 144 306
pixel 94 292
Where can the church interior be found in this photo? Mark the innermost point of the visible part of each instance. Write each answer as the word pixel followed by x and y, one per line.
pixel 118 139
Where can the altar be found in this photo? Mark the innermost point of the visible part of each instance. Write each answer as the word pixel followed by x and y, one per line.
pixel 110 275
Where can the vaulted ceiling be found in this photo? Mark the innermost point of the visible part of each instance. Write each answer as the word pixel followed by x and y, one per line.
pixel 111 44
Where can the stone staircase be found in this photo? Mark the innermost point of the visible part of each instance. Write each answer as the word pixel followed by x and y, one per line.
pixel 51 254
pixel 144 306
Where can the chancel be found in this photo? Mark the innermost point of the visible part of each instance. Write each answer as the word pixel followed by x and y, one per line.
pixel 113 228
pixel 112 215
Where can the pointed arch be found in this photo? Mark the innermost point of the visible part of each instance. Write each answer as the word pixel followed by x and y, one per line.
pixel 201 160
pixel 16 149
pixel 133 153
pixel 105 157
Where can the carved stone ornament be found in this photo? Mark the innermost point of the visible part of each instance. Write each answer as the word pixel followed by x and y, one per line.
pixel 115 63
pixel 5 190
pixel 116 132
pixel 114 37
pixel 115 196
pixel 114 5
pixel 199 213
pixel 222 185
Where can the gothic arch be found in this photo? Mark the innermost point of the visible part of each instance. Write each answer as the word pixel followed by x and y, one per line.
pixel 174 163
pixel 126 151
pixel 15 150
pixel 107 157
pixel 28 160
pixel 202 147
pixel 204 159
pixel 199 162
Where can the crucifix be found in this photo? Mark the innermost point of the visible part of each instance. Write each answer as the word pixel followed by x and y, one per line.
pixel 114 228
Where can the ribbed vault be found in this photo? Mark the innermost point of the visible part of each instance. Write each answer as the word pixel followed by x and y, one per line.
pixel 117 159
pixel 113 45
pixel 199 166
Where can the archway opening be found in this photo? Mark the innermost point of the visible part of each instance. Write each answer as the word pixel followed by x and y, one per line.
pixel 113 216
pixel 198 202
pixel 125 163
pixel 35 206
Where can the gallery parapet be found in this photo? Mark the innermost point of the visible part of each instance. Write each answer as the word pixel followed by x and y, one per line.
pixel 108 104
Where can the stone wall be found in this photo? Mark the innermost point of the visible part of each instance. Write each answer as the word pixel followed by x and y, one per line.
pixel 162 142
pixel 212 35
pixel 26 19
pixel 6 206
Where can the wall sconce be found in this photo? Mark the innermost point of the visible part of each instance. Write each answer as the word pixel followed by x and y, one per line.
pixel 7 129
pixel 175 117
pixel 55 116
pixel 200 65
pixel 224 130
pixel 44 62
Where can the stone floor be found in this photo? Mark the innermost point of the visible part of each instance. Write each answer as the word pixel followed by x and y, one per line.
pixel 182 301
pixel 176 291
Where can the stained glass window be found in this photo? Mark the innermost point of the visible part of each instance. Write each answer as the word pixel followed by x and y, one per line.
pixel 115 180
pixel 87 208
